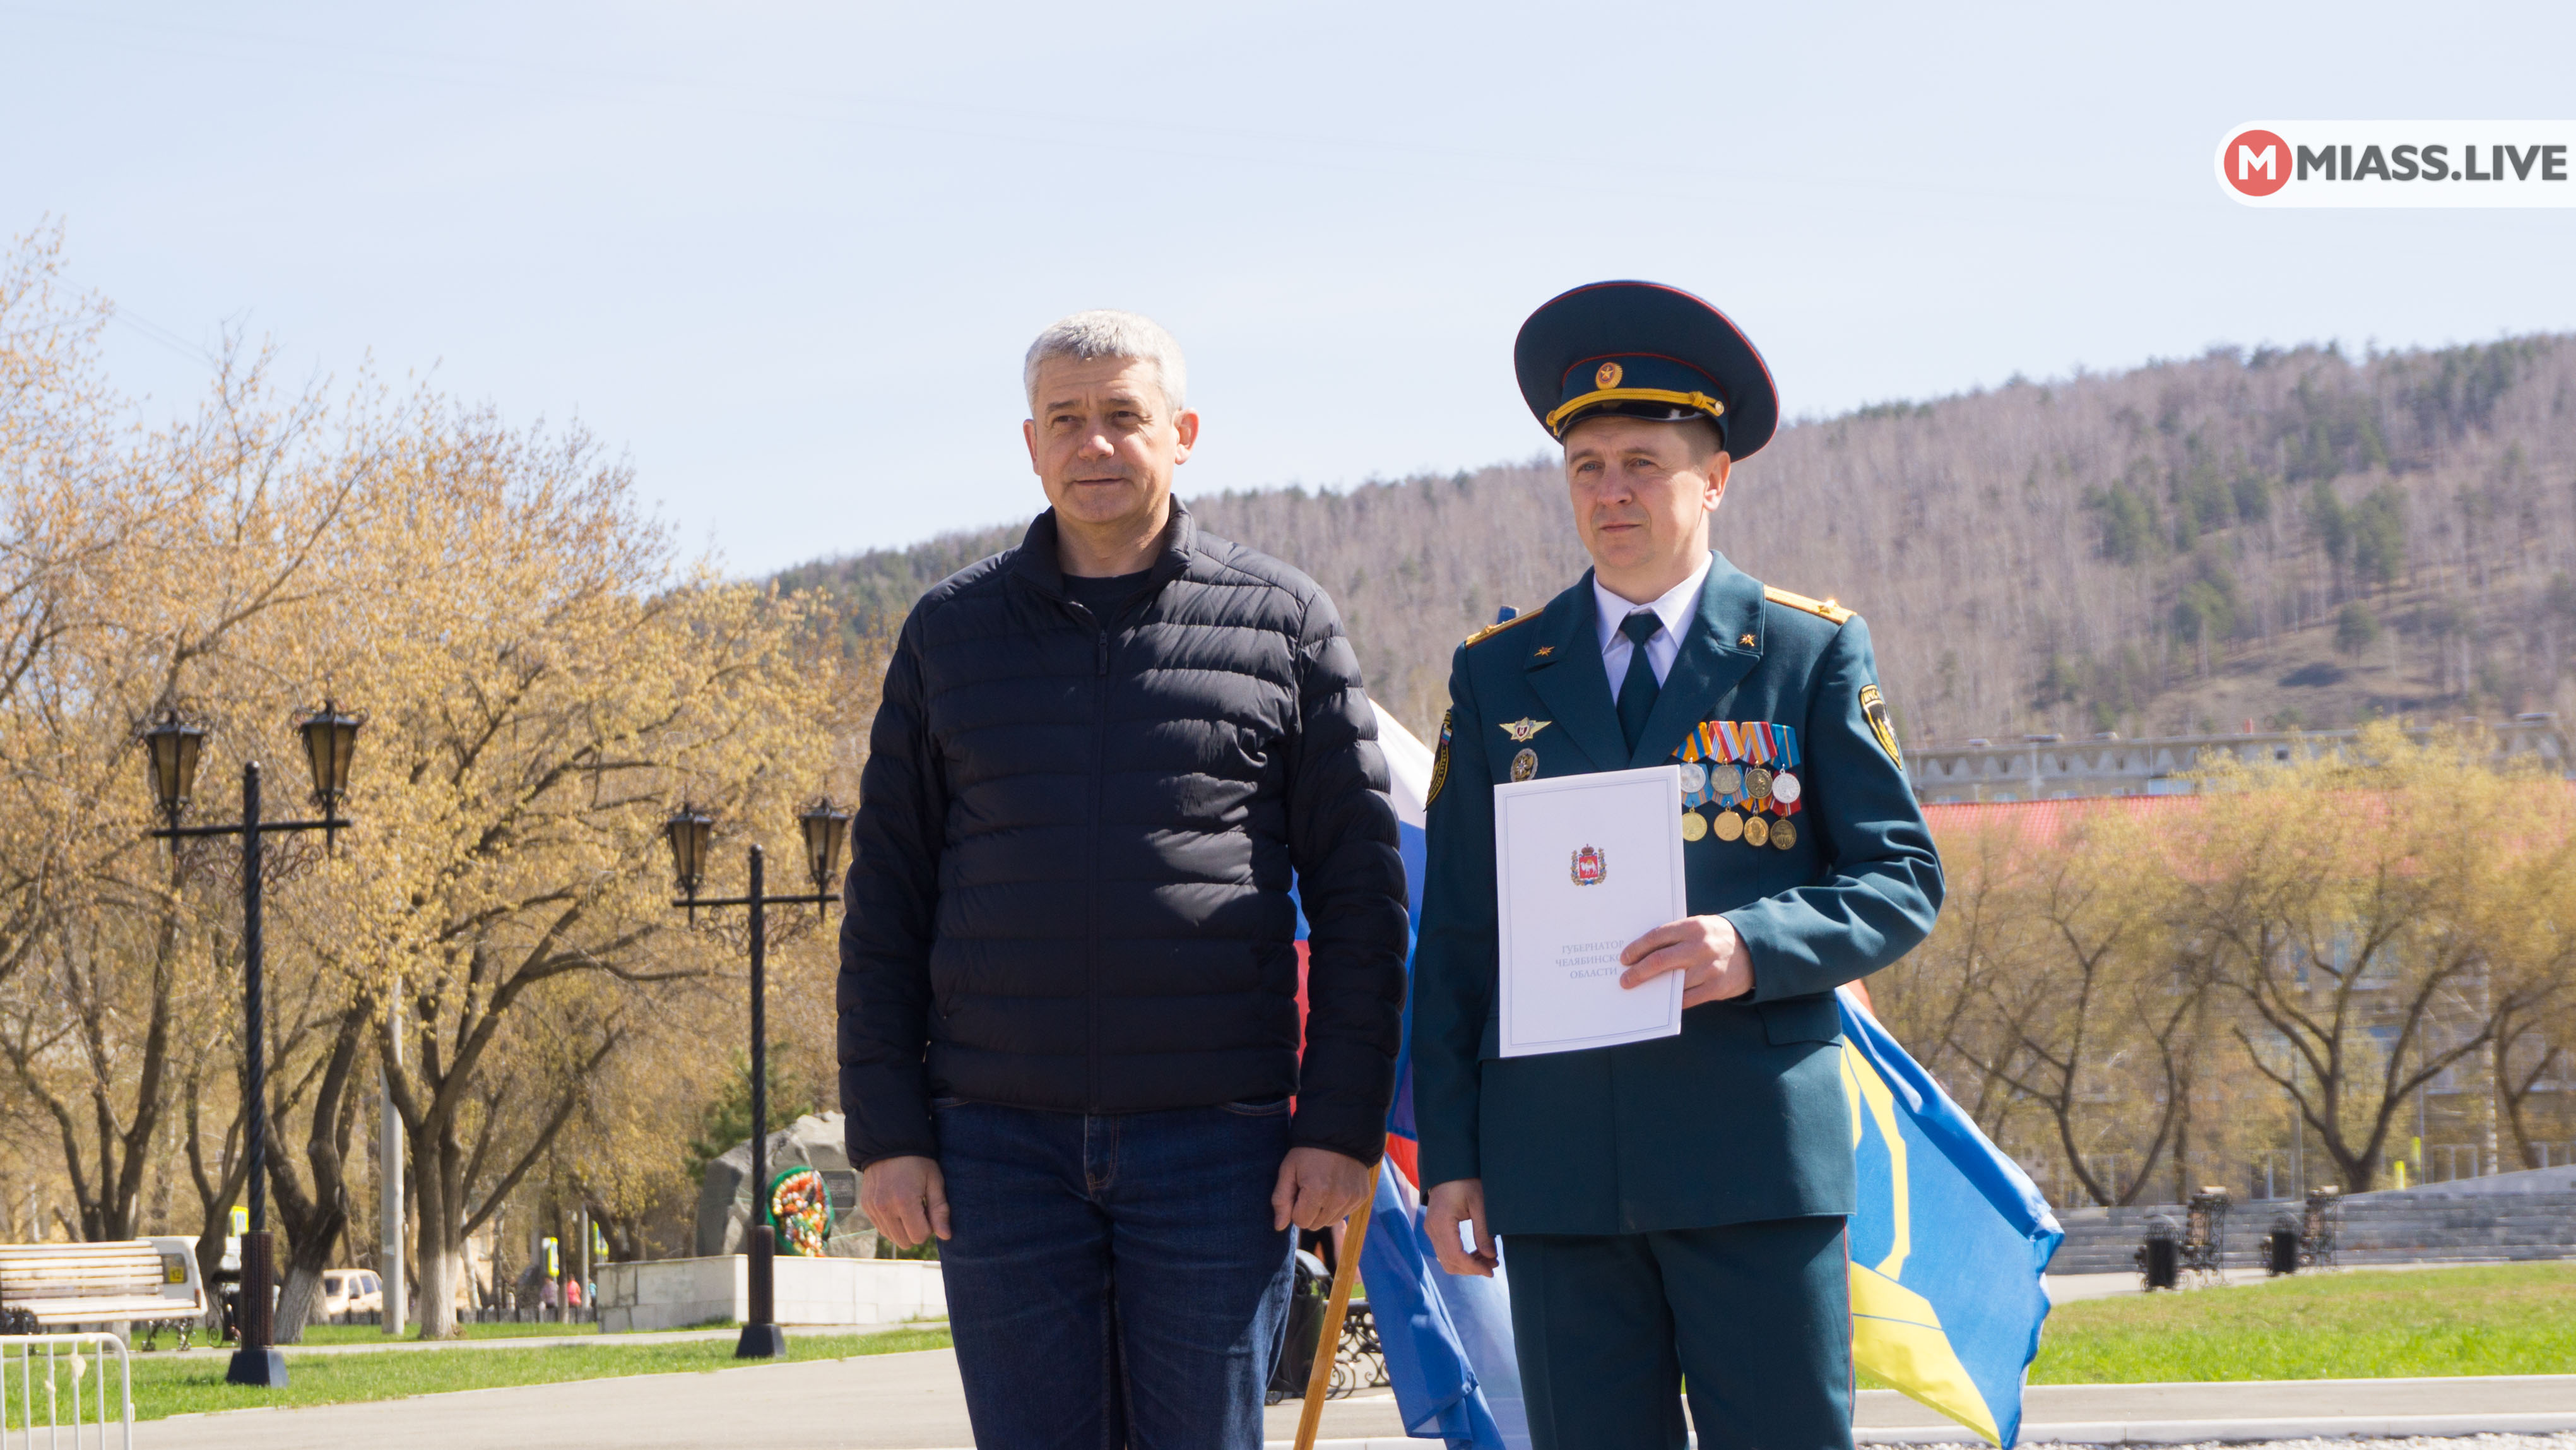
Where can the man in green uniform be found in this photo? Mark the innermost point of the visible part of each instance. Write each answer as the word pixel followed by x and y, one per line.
pixel 1674 1208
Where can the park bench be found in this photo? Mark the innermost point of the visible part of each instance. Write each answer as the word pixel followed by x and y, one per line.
pixel 152 1282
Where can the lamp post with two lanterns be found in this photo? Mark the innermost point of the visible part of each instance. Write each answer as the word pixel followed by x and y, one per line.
pixel 173 748
pixel 826 829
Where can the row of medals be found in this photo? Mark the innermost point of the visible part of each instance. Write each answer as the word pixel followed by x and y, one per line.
pixel 1759 786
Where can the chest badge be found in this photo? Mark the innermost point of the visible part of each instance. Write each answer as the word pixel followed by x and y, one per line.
pixel 1525 765
pixel 1591 868
pixel 1522 729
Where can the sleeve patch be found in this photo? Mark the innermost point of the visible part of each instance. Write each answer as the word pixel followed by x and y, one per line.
pixel 1440 760
pixel 1873 708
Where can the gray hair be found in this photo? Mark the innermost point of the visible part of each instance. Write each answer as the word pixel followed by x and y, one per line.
pixel 1105 332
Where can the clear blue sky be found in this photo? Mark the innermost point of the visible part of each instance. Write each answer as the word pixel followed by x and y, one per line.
pixel 786 258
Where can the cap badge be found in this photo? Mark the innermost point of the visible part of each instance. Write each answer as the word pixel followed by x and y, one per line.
pixel 1608 376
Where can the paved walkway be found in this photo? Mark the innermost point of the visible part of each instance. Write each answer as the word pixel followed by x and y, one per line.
pixel 533 1341
pixel 912 1402
pixel 2067 1288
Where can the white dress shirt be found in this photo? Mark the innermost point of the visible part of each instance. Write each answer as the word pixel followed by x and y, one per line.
pixel 1675 609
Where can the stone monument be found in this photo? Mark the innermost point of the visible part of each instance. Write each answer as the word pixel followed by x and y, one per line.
pixel 725 1196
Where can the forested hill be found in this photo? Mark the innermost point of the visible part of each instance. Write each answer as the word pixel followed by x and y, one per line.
pixel 2292 537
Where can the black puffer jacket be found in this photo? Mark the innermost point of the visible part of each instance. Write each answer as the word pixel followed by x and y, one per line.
pixel 1075 843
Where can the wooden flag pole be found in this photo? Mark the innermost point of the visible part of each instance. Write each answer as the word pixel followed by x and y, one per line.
pixel 1346 1268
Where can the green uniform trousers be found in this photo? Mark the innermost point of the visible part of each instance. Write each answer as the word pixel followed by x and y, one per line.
pixel 1754 1317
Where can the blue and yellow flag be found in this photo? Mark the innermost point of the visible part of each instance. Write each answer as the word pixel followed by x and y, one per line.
pixel 1948 1245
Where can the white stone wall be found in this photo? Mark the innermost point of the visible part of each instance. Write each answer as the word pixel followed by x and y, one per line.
pixel 676 1293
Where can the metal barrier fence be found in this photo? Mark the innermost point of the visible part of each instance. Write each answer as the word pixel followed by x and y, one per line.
pixel 30 1402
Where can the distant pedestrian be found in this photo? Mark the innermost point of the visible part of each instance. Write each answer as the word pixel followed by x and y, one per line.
pixel 1069 971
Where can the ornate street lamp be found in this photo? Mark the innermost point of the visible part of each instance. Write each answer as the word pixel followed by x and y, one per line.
pixel 690 830
pixel 827 829
pixel 330 739
pixel 172 749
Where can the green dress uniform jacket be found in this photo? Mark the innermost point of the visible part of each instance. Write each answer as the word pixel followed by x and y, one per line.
pixel 1741 1118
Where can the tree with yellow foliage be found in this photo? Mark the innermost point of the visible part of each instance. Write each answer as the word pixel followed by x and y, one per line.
pixel 508 893
pixel 544 680
pixel 2339 932
pixel 2376 910
pixel 2057 991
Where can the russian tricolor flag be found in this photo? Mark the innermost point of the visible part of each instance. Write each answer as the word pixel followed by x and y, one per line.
pixel 1448 1341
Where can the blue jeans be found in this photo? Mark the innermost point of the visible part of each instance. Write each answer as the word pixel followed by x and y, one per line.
pixel 1114 1282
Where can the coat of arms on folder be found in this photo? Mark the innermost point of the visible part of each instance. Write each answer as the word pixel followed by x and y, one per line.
pixel 1590 867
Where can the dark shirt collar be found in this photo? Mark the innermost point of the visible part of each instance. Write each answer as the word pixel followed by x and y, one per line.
pixel 1038 566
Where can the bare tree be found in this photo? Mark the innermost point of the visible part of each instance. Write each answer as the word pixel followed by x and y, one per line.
pixel 2091 1022
pixel 2350 937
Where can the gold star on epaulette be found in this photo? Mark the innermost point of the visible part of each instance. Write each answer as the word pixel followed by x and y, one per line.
pixel 1746 641
pixel 1489 631
pixel 1825 609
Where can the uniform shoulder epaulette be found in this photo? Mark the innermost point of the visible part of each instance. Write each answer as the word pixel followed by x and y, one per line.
pixel 1824 608
pixel 1489 631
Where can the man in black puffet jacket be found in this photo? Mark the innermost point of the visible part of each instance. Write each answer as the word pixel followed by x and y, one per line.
pixel 1069 1036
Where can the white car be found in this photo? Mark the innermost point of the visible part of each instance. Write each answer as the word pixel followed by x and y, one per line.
pixel 352 1291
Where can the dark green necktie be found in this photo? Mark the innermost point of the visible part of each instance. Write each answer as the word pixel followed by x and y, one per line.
pixel 1637 688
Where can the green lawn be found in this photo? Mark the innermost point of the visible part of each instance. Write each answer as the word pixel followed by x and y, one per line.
pixel 167 1385
pixel 2500 1319
pixel 2503 1319
pixel 370 1334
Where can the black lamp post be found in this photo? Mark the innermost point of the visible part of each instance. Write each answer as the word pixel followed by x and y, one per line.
pixel 330 738
pixel 825 827
pixel 173 748
pixel 689 830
